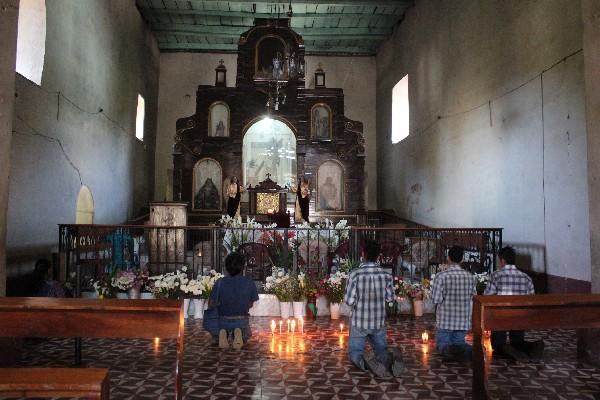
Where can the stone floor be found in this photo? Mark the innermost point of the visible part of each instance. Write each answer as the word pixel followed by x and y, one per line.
pixel 314 365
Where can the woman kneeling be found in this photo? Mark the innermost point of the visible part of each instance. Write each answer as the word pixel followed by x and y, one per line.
pixel 234 295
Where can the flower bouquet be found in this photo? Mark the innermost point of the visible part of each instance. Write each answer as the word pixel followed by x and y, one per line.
pixel 130 281
pixel 481 282
pixel 334 288
pixel 168 286
pixel 103 287
pixel 284 287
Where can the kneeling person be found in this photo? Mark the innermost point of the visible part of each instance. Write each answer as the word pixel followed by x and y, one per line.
pixel 234 295
pixel 508 280
pixel 452 293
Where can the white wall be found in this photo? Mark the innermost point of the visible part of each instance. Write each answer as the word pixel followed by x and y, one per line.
pixel 488 146
pixel 99 55
pixel 181 73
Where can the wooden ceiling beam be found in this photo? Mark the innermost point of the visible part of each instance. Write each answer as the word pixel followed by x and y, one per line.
pixel 232 48
pixel 307 33
pixel 159 12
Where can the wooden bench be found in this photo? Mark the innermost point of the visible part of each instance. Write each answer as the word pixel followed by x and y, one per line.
pixel 88 383
pixel 93 318
pixel 546 311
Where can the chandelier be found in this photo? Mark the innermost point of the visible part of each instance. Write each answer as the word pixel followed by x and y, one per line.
pixel 284 69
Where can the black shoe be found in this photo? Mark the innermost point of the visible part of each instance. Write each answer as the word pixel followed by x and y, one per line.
pixel 515 354
pixel 537 350
pixel 378 369
pixel 398 367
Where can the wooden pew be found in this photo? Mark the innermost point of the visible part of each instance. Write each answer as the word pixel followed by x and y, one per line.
pixel 88 383
pixel 546 311
pixel 93 318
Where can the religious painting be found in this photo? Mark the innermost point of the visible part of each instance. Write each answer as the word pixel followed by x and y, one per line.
pixel 320 121
pixel 269 148
pixel 207 185
pixel 218 119
pixel 330 186
pixel 268 49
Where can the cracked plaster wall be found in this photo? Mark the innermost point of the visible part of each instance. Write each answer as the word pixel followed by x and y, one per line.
pixel 99 56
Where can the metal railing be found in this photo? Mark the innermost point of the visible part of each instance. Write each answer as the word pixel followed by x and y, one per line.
pixel 93 250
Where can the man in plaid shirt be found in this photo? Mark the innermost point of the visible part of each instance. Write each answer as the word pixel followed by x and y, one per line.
pixel 452 292
pixel 506 281
pixel 369 288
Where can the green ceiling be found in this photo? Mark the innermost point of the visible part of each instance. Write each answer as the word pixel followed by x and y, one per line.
pixel 355 27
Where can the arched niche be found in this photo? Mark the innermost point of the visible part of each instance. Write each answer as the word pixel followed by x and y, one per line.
pixel 218 119
pixel 207 185
pixel 267 48
pixel 269 148
pixel 330 186
pixel 84 213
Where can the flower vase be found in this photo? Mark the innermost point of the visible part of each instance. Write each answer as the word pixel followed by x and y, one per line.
pixel 133 293
pixel 198 308
pixel 186 306
pixel 418 307
pixel 298 307
pixel 334 310
pixel 285 308
pixel 311 307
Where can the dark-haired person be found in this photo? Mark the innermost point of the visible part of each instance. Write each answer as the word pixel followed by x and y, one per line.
pixel 369 289
pixel 506 281
pixel 234 295
pixel 452 293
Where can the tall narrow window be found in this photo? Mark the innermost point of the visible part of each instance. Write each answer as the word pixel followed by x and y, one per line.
pixel 400 110
pixel 31 39
pixel 139 119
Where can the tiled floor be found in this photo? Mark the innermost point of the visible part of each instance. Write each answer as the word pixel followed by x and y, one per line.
pixel 315 365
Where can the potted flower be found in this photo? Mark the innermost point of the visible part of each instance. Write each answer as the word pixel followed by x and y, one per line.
pixel 130 281
pixel 401 289
pixel 334 287
pixel 417 292
pixel 103 287
pixel 207 283
pixel 481 282
pixel 168 286
pixel 282 286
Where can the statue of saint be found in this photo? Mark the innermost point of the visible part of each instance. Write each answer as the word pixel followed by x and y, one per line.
pixel 234 195
pixel 302 200
pixel 328 195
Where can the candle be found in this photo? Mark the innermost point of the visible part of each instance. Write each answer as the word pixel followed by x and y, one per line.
pixel 288 325
pixel 280 322
pixel 425 337
pixel 293 326
pixel 341 328
pixel 301 325
pixel 273 327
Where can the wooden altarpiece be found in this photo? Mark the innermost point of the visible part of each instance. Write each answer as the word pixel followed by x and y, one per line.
pixel 338 140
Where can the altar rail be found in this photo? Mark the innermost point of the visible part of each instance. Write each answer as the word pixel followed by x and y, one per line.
pixel 92 250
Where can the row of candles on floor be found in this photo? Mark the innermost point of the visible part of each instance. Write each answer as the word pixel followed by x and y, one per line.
pixel 290 326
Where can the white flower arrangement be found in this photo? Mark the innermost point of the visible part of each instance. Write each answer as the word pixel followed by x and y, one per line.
pixel 168 286
pixel 240 232
pixel 481 281
pixel 206 283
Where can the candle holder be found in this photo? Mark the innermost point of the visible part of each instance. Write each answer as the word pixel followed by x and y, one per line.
pixel 425 337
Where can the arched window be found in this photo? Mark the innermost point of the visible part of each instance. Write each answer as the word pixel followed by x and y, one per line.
pixel 31 39
pixel 269 148
pixel 85 207
pixel 208 185
pixel 400 111
pixel 330 186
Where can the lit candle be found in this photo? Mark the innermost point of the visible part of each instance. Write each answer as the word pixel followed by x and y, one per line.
pixel 425 337
pixel 280 322
pixel 273 327
pixel 156 344
pixel 293 326
pixel 301 323
pixel 341 328
pixel 288 325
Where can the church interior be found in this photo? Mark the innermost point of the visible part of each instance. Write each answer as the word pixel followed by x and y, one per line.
pixel 142 142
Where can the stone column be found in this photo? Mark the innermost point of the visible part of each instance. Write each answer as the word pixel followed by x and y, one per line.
pixel 9 18
pixel 589 339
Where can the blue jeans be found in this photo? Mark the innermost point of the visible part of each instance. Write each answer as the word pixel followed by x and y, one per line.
pixel 447 337
pixel 356 345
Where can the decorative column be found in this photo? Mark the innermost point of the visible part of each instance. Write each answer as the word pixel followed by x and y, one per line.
pixel 9 19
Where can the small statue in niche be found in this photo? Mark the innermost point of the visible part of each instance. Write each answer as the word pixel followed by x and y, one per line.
pixel 328 195
pixel 220 131
pixel 207 197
